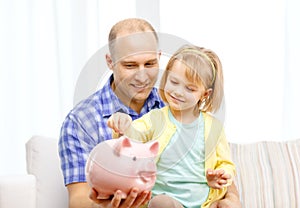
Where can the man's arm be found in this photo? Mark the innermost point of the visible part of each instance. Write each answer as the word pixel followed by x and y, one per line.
pixel 231 199
pixel 81 196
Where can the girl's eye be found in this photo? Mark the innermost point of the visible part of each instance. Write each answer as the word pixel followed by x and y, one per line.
pixel 173 82
pixel 190 89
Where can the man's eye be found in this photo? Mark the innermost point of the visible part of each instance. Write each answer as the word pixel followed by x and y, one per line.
pixel 173 82
pixel 150 64
pixel 130 66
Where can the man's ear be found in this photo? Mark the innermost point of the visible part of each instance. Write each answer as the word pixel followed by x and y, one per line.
pixel 159 54
pixel 109 61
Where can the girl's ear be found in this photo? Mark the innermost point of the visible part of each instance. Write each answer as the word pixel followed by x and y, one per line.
pixel 204 99
pixel 207 93
pixel 109 61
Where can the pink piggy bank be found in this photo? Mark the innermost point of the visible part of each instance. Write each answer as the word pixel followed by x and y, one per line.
pixel 121 164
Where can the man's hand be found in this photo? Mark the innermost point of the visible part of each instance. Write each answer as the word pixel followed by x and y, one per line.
pixel 133 200
pixel 231 199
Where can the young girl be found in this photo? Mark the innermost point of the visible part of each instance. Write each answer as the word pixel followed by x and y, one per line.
pixel 194 166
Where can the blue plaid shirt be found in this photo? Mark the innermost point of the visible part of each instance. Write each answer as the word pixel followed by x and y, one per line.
pixel 85 127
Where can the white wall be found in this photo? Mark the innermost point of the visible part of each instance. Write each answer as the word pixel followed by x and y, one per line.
pixel 255 41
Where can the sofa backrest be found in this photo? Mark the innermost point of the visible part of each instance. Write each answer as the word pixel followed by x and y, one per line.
pixel 268 173
pixel 43 162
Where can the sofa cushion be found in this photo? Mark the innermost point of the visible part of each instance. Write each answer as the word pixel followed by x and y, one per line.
pixel 17 191
pixel 268 173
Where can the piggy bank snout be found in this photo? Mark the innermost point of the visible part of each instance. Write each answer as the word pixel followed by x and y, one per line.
pixel 148 172
pixel 147 176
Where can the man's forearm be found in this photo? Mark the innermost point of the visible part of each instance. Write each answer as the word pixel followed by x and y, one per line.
pixel 232 190
pixel 233 197
pixel 79 196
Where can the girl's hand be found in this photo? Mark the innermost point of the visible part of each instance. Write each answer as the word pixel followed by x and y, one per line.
pixel 119 122
pixel 217 179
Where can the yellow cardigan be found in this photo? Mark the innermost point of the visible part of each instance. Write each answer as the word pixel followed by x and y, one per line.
pixel 157 125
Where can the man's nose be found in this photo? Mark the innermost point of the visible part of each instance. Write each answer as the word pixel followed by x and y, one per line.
pixel 141 74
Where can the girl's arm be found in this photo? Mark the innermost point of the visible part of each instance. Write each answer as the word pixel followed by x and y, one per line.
pixel 139 129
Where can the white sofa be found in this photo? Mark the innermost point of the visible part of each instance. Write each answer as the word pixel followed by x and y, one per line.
pixel 268 176
pixel 43 187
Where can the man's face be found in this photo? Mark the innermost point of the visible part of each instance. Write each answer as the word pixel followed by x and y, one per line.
pixel 135 64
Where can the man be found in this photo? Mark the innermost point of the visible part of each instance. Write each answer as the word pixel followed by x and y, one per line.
pixel 134 60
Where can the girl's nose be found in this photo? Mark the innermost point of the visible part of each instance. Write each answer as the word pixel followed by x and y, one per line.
pixel 178 92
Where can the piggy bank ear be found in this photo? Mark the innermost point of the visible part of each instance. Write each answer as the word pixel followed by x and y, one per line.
pixel 154 148
pixel 126 143
pixel 123 142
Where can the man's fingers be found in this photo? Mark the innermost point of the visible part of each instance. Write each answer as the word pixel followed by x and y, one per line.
pixel 142 199
pixel 128 202
pixel 116 200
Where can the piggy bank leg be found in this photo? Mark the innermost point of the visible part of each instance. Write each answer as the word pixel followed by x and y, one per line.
pixel 107 196
pixel 103 196
pixel 123 195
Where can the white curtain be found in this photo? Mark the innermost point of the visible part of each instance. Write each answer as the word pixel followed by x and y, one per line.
pixel 257 42
pixel 45 44
pixel 43 47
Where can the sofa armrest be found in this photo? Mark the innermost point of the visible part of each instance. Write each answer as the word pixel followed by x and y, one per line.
pixel 43 162
pixel 17 191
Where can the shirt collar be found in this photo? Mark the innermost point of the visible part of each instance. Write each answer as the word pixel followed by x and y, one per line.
pixel 114 104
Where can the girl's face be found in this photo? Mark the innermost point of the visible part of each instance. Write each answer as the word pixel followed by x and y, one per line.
pixel 181 93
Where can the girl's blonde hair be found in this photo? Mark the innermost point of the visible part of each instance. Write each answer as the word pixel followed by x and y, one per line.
pixel 204 68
